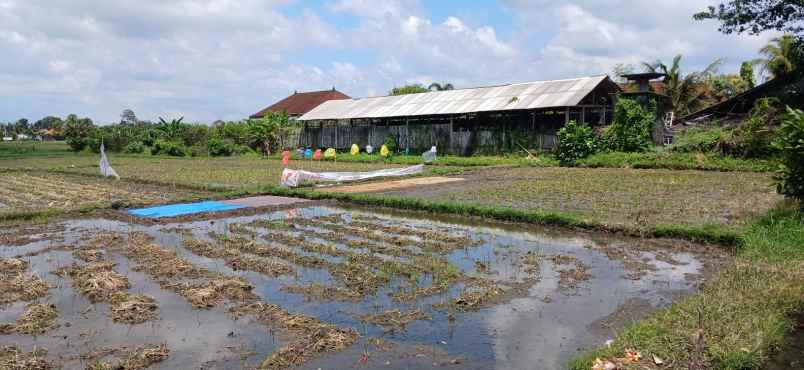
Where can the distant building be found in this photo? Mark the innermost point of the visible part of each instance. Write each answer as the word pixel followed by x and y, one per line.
pixel 298 104
pixel 7 138
pixel 488 119
pixel 23 137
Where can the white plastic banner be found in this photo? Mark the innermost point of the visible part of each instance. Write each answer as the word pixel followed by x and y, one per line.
pixel 105 168
pixel 294 178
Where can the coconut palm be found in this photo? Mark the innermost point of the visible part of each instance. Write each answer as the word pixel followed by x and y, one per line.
pixel 687 92
pixel 435 86
pixel 779 56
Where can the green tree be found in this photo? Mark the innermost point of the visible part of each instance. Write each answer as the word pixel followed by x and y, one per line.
pixel 727 86
pixel 747 74
pixel 687 92
pixel 435 86
pixel 632 126
pixel 780 56
pixel 171 130
pixel 128 118
pixel 756 16
pixel 78 132
pixel 409 89
pixel 263 133
pixel 790 142
pixel 575 141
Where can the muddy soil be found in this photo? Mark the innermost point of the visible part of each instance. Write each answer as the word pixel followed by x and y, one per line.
pixel 325 287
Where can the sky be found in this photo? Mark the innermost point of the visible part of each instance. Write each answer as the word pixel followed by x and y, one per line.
pixel 226 59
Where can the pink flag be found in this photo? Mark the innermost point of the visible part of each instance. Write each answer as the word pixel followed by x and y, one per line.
pixel 317 154
pixel 285 158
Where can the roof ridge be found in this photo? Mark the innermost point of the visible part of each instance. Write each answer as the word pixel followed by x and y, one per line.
pixel 483 87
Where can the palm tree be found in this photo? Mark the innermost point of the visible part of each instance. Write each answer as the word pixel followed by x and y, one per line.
pixel 435 86
pixel 779 56
pixel 686 92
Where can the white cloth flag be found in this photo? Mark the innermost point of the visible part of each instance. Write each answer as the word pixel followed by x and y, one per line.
pixel 294 178
pixel 105 168
pixel 430 155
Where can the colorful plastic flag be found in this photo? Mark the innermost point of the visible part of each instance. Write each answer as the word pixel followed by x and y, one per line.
pixel 285 158
pixel 384 151
pixel 355 149
pixel 308 153
pixel 317 154
pixel 369 149
pixel 330 153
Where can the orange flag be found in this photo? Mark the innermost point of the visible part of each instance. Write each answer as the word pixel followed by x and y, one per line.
pixel 285 158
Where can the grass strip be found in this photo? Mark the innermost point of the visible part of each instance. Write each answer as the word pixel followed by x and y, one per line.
pixel 677 161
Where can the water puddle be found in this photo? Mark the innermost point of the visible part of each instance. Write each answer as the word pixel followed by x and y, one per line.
pixel 418 291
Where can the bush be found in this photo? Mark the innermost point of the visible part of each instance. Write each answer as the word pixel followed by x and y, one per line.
pixel 219 147
pixel 699 140
pixel 632 126
pixel 575 141
pixel 168 148
pixel 790 143
pixel 135 147
pixel 390 142
pixel 754 137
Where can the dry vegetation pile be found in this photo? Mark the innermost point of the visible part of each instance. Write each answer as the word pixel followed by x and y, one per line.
pixel 13 358
pixel 207 289
pixel 366 254
pixel 311 335
pixel 17 284
pixel 36 320
pixel 137 359
pixel 133 308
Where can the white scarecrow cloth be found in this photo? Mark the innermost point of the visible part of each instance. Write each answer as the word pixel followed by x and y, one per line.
pixel 294 178
pixel 430 155
pixel 105 168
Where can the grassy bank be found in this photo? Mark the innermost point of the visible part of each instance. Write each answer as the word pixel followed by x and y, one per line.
pixel 738 319
pixel 678 161
pixel 20 149
pixel 659 159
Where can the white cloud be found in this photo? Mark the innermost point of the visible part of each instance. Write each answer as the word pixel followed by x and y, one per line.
pixel 211 59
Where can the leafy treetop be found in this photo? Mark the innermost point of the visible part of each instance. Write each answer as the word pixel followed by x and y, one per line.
pixel 756 16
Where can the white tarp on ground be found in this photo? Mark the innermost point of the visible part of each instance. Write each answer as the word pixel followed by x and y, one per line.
pixel 105 168
pixel 294 178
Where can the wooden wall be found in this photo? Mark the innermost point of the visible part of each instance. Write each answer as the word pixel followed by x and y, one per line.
pixel 487 133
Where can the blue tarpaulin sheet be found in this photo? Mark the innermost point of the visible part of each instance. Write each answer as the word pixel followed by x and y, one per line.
pixel 173 210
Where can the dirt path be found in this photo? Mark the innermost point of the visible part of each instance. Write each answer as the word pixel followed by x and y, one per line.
pixel 390 185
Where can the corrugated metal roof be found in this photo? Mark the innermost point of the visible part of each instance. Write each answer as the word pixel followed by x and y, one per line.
pixel 528 95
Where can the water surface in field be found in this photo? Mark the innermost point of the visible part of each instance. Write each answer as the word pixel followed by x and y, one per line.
pixel 542 326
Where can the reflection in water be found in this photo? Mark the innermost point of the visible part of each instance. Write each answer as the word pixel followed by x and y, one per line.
pixel 550 322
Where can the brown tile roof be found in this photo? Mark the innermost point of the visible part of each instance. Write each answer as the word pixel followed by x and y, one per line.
pixel 301 103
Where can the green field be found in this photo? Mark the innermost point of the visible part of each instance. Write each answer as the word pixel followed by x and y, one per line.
pixel 614 197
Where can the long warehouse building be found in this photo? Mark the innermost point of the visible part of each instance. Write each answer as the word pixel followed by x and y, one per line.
pixel 463 121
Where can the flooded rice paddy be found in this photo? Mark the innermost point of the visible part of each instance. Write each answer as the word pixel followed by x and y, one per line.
pixel 328 288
